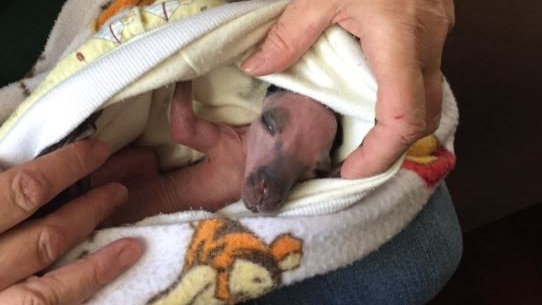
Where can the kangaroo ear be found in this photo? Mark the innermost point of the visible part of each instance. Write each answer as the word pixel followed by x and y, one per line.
pixel 323 166
pixel 273 89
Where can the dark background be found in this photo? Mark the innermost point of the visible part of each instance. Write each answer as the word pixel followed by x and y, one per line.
pixel 24 28
pixel 493 62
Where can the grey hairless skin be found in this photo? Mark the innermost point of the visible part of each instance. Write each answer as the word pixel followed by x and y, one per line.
pixel 289 142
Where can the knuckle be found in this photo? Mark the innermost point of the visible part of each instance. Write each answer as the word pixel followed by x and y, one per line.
pixel 451 21
pixel 78 162
pixel 437 17
pixel 450 13
pixel 29 189
pixel 419 28
pixel 444 16
pixel 277 38
pixel 410 131
pixel 51 243
pixel 93 279
pixel 415 132
pixel 99 212
pixel 33 296
pixel 433 123
pixel 444 24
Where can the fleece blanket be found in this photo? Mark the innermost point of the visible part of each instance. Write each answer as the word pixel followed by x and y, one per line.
pixel 119 60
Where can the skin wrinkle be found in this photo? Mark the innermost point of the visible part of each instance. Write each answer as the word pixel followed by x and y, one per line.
pixel 50 243
pixel 97 275
pixel 171 192
pixel 52 296
pixel 29 189
pixel 288 48
pixel 33 296
pixel 79 167
pixel 279 40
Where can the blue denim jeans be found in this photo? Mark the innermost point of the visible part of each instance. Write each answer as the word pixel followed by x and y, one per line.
pixel 409 269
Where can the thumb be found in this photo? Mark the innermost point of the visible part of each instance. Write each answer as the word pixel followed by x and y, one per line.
pixel 297 29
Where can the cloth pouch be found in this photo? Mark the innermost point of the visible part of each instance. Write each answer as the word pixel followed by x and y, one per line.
pixel 121 61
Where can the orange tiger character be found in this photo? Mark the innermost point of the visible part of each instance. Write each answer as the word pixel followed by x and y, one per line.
pixel 116 6
pixel 229 263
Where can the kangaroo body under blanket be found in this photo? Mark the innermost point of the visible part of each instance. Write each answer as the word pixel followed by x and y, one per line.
pixel 121 63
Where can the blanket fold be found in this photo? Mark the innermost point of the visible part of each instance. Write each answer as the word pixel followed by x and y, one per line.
pixel 121 61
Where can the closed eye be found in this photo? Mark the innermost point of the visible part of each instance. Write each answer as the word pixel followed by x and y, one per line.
pixel 275 120
pixel 269 123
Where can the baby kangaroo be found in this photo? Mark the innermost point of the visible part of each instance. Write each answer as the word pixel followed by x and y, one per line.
pixel 289 142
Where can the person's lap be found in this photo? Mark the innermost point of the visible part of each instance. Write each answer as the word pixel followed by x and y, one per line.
pixel 409 269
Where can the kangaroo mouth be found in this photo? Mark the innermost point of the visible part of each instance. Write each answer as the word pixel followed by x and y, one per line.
pixel 265 190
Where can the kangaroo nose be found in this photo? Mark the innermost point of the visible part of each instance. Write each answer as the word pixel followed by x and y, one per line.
pixel 264 191
pixel 259 181
pixel 257 189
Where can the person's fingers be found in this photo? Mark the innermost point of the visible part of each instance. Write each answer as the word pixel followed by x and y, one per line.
pixel 35 245
pixel 433 97
pixel 156 190
pixel 405 54
pixel 126 166
pixel 187 128
pixel 24 188
pixel 297 29
pixel 437 23
pixel 400 108
pixel 181 112
pixel 403 42
pixel 74 283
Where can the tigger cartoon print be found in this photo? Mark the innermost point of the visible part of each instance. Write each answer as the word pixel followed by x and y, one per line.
pixel 227 263
pixel 429 160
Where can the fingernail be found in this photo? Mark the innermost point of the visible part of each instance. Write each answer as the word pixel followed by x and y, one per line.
pixel 130 253
pixel 118 192
pixel 254 64
pixel 118 257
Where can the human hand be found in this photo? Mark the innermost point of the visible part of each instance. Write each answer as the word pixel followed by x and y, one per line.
pixel 29 247
pixel 403 42
pixel 208 184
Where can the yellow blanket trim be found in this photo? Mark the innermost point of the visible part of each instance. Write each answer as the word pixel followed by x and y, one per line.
pixel 117 30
